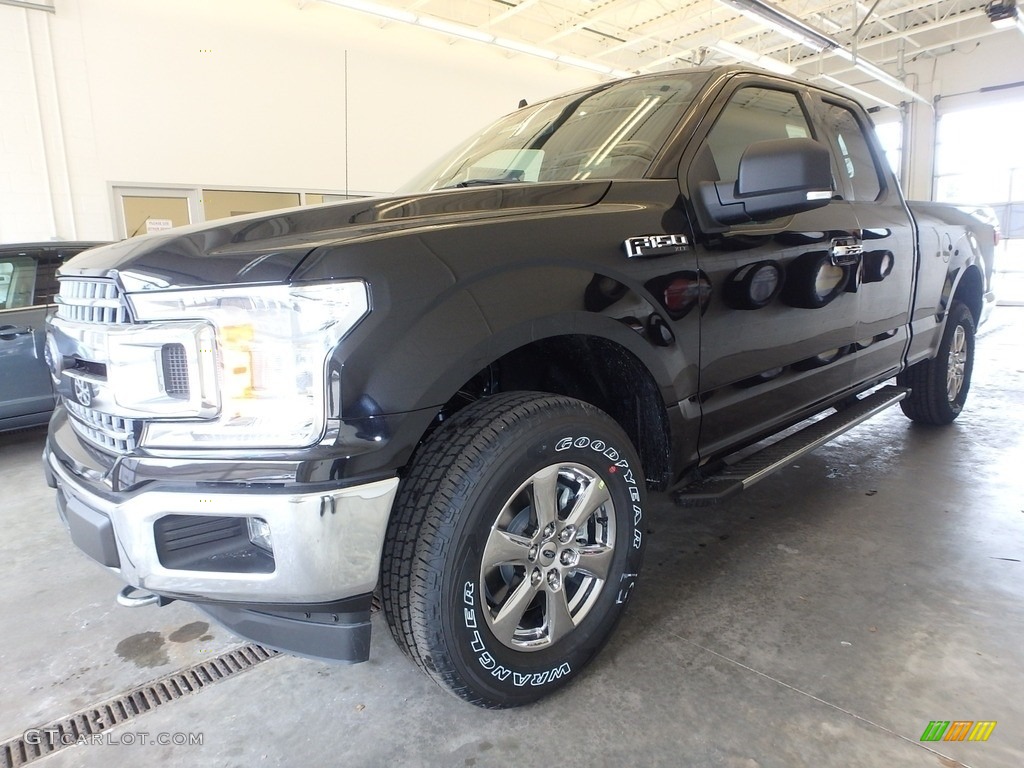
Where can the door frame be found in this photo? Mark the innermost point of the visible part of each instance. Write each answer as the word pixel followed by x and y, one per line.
pixel 119 191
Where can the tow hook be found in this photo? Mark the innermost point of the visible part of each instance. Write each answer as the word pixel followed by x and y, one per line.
pixel 133 597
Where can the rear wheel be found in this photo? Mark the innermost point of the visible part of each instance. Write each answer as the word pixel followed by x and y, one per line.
pixel 939 386
pixel 514 547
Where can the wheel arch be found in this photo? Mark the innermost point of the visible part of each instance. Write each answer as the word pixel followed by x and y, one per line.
pixel 970 289
pixel 594 369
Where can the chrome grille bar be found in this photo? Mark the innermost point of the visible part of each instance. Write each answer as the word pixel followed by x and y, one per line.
pixel 91 301
pixel 111 432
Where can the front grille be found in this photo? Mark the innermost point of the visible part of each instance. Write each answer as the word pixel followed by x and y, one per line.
pixel 175 369
pixel 102 429
pixel 91 301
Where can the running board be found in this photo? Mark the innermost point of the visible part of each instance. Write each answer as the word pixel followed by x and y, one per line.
pixel 734 478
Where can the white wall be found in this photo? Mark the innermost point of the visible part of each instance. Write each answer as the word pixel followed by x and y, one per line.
pixel 246 93
pixel 251 93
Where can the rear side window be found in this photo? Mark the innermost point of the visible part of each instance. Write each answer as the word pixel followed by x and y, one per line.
pixel 754 114
pixel 853 151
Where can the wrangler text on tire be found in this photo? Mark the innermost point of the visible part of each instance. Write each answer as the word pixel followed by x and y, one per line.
pixel 514 546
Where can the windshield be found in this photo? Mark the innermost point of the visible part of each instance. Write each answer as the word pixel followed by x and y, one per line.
pixel 613 132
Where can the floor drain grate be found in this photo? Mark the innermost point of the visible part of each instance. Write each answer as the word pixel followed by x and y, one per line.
pixel 96 719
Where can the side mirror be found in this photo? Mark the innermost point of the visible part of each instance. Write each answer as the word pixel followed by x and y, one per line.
pixel 776 178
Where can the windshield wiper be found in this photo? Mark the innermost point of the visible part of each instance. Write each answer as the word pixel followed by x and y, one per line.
pixel 485 182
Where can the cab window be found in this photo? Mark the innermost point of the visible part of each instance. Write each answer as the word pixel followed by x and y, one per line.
pixel 753 114
pixel 853 152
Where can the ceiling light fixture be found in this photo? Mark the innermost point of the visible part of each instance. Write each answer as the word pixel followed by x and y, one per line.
pixel 816 40
pixel 764 62
pixel 518 47
pixel 572 61
pixel 1005 14
pixel 470 33
pixel 880 74
pixel 449 28
pixel 783 23
pixel 862 93
pixel 376 9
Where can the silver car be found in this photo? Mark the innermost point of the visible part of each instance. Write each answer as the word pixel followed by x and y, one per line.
pixel 28 284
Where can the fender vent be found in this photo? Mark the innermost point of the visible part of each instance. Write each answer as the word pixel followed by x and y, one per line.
pixel 88 725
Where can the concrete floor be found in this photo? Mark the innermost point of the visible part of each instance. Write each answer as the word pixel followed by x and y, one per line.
pixel 821 619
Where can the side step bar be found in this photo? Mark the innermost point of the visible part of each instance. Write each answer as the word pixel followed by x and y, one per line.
pixel 734 478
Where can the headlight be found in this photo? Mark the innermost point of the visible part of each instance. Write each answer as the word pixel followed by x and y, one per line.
pixel 267 358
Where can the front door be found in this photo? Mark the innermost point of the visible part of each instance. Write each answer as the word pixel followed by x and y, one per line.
pixel 777 336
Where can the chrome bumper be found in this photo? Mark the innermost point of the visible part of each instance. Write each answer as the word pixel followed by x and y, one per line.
pixel 326 545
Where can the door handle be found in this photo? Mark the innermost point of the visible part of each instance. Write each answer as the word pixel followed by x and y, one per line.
pixel 8 332
pixel 846 251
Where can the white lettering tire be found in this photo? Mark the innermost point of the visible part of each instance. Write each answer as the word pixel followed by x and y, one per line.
pixel 514 546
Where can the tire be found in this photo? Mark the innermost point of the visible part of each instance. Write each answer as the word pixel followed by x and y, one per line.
pixel 939 386
pixel 494 596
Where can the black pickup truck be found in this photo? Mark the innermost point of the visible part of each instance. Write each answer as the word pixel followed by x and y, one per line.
pixel 460 396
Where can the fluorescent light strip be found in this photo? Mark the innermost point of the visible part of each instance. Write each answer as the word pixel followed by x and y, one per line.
pixel 853 89
pixel 384 11
pixel 765 62
pixel 469 33
pixel 783 23
pixel 574 62
pixel 518 47
pixel 449 28
pixel 880 74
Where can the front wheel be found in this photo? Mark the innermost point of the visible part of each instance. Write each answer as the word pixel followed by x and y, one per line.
pixel 515 544
pixel 939 386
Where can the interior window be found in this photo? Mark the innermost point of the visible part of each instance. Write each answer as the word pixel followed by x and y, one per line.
pixel 17 282
pixel 753 114
pixel 854 152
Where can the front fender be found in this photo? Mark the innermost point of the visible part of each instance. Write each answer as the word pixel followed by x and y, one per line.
pixel 470 325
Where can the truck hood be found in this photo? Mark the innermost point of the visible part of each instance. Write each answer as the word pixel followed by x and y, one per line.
pixel 269 247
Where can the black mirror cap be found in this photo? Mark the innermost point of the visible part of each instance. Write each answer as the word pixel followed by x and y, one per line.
pixel 784 165
pixel 778 177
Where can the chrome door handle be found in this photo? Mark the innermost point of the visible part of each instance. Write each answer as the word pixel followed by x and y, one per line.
pixel 846 251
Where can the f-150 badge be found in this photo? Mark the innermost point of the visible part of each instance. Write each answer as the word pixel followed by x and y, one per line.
pixel 646 246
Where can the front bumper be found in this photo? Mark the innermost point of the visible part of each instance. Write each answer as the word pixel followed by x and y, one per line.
pixel 310 595
pixel 326 545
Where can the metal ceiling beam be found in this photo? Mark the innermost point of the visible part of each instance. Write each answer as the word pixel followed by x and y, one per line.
pixel 602 12
pixel 982 33
pixel 899 35
pixel 923 29
pixel 879 19
pixel 515 10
